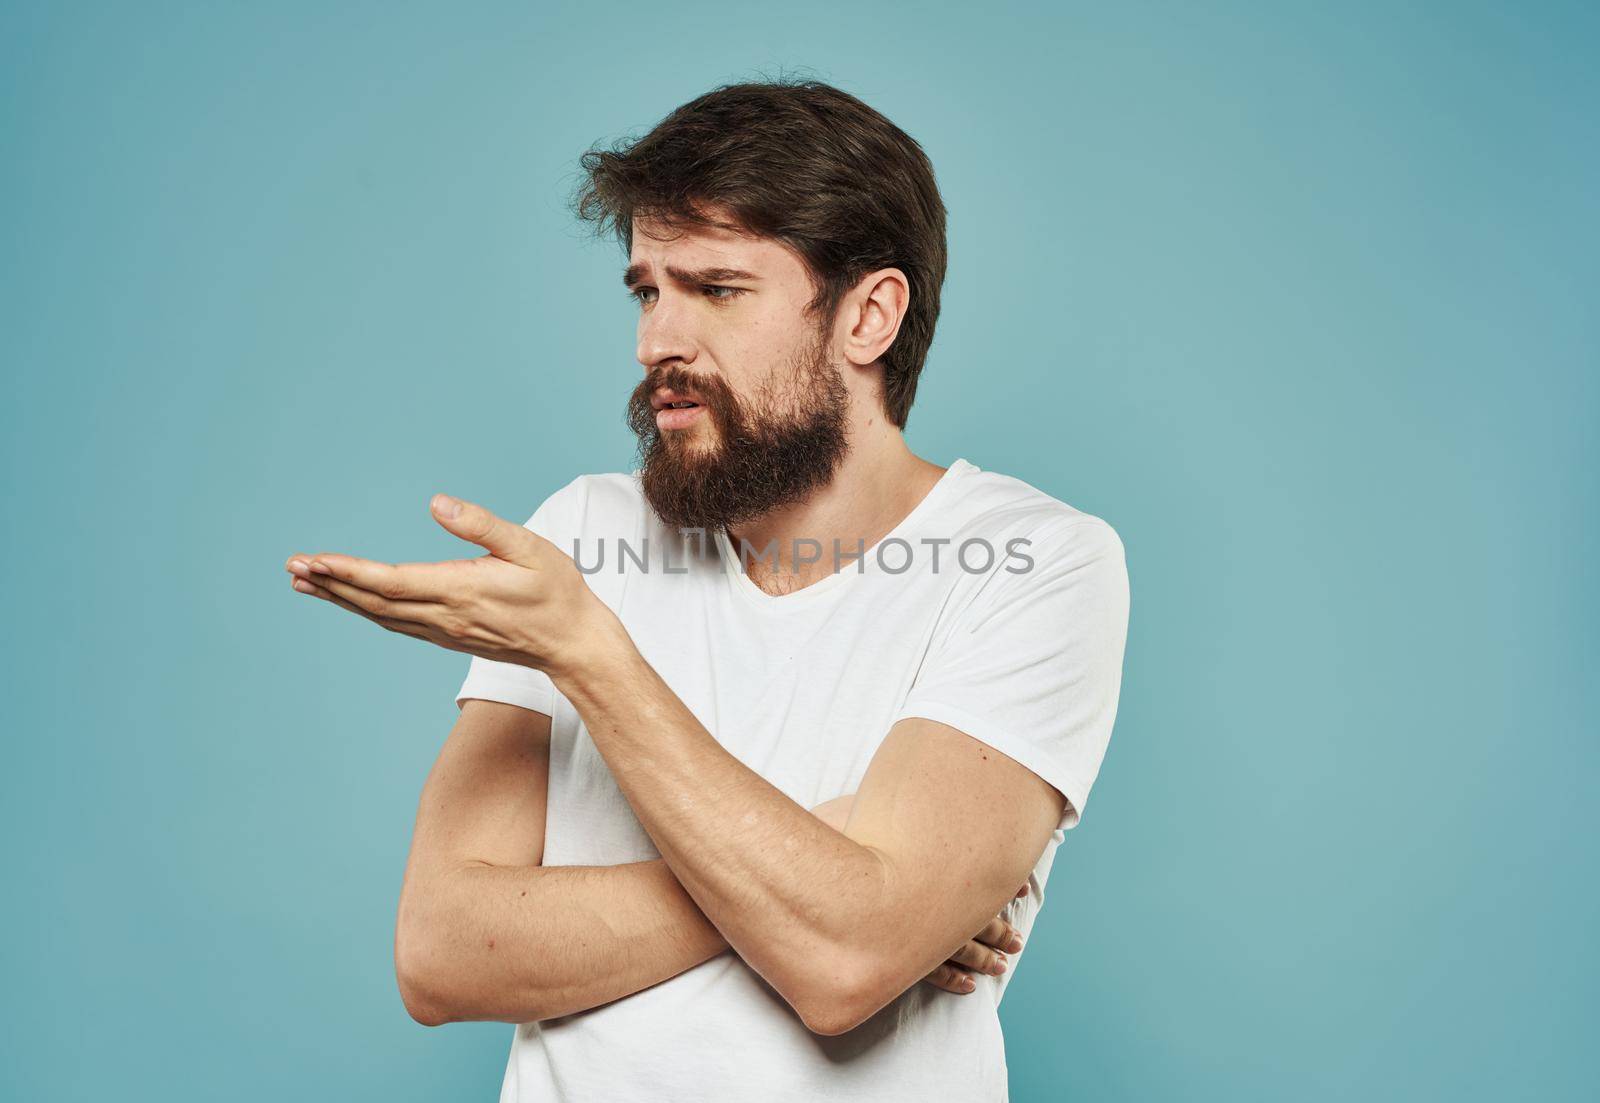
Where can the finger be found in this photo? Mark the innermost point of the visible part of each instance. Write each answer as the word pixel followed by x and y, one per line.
pixel 305 586
pixel 952 979
pixel 405 628
pixel 980 959
pixel 419 612
pixel 1000 935
pixel 501 538
pixel 396 581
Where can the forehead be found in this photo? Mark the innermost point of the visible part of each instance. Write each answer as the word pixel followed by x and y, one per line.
pixel 684 246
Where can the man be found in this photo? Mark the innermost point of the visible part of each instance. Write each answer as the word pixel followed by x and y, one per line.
pixel 756 738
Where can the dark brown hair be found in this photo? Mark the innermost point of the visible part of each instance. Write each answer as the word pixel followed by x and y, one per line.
pixel 806 164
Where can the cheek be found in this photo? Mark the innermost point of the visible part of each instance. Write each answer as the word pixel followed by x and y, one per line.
pixel 759 358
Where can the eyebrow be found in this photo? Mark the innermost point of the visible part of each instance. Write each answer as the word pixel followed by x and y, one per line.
pixel 688 276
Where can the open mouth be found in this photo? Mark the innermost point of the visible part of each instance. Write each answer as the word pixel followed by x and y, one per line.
pixel 675 409
pixel 665 398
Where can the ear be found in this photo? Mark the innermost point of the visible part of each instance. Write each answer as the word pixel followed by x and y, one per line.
pixel 872 313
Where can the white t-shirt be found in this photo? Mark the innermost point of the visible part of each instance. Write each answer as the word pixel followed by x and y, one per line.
pixel 1012 632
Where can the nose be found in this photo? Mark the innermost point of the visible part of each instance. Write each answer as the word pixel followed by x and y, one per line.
pixel 665 335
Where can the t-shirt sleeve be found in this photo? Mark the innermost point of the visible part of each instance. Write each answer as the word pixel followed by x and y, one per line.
pixel 488 680
pixel 1032 663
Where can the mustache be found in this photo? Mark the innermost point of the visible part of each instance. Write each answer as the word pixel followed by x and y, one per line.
pixel 681 379
pixel 711 390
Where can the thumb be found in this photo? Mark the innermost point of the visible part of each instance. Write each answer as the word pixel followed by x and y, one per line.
pixel 499 537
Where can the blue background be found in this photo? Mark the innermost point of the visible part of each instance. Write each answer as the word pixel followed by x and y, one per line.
pixel 1300 297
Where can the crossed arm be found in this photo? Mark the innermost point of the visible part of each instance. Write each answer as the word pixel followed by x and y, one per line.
pixel 839 922
pixel 941 831
pixel 485 932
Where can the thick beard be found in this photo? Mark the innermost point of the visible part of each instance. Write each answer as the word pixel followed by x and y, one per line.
pixel 767 455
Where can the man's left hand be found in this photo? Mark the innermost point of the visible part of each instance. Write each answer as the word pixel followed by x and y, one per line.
pixel 525 602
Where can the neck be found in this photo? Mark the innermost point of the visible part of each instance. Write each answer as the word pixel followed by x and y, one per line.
pixel 878 483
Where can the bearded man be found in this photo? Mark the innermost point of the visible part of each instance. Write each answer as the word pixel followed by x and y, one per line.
pixel 757 742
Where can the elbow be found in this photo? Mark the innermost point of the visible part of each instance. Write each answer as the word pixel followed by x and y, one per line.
pixel 424 1013
pixel 832 1014
pixel 832 1019
pixel 438 985
pixel 840 997
pixel 420 974
pixel 421 1002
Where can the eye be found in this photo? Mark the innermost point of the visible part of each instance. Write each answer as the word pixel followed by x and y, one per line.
pixel 644 295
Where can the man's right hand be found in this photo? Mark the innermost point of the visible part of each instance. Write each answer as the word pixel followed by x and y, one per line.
pixel 985 952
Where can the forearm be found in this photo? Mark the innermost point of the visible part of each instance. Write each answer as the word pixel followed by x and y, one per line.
pixel 526 943
pixel 801 903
